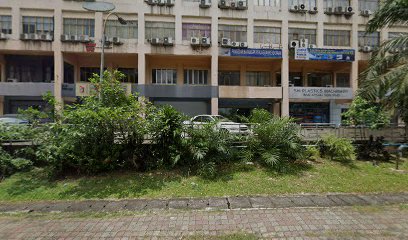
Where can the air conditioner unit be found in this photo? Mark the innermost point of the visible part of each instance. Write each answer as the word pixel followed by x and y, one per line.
pixel 170 3
pixel 349 11
pixel 3 36
pixel 313 11
pixel 85 39
pixel 223 4
pixel 242 4
pixel 233 4
pixel 367 49
pixel 161 2
pixel 35 36
pixel 294 8
pixel 366 13
pixel 74 38
pixel 312 46
pixel 151 2
pixel 243 45
pixel 46 37
pixel 329 11
pixel 65 38
pixel 205 41
pixel 168 41
pixel 235 44
pixel 195 41
pixel 294 44
pixel 155 41
pixel 302 8
pixel 304 43
pixel 116 41
pixel 205 3
pixel 225 42
pixel 339 10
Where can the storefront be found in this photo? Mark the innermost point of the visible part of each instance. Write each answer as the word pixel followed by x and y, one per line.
pixel 310 112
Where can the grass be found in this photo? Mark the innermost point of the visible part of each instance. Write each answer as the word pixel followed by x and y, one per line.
pixel 238 179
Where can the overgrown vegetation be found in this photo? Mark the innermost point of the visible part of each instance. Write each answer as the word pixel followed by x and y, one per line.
pixel 335 148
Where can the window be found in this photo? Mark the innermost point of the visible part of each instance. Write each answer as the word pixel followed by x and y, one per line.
pixel 68 73
pixel 267 35
pixel 39 25
pixel 5 24
pixel 336 3
pixel 130 75
pixel 392 35
pixel 343 80
pixel 115 29
pixel 368 5
pixel 310 4
pixel 234 32
pixel 368 39
pixel 195 77
pixel 258 79
pixel 196 30
pixel 229 78
pixel 336 38
pixel 88 72
pixel 159 30
pixel 29 68
pixel 270 3
pixel 164 76
pixel 78 26
pixel 320 80
pixel 299 33
pixel 295 79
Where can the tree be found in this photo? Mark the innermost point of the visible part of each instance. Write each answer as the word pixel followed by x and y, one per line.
pixel 386 78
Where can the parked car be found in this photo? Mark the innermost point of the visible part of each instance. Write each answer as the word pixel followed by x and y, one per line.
pixel 12 119
pixel 221 123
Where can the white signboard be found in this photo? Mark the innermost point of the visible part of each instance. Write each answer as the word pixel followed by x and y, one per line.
pixel 301 54
pixel 320 93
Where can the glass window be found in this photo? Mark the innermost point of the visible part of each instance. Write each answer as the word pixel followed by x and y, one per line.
pixel 271 3
pixel 320 80
pixel 68 73
pixel 295 79
pixel 310 4
pixel 336 3
pixel 115 29
pixel 236 33
pixel 343 80
pixel 22 68
pixel 196 30
pixel 229 78
pixel 88 72
pixel 159 30
pixel 267 35
pixel 300 33
pixel 368 39
pixel 392 35
pixel 368 5
pixel 79 26
pixel 164 76
pixel 258 79
pixel 336 38
pixel 195 77
pixel 130 75
pixel 39 25
pixel 5 24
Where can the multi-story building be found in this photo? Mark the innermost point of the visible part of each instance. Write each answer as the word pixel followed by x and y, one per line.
pixel 297 57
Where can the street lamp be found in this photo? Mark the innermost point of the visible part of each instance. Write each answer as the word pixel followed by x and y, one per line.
pixel 103 7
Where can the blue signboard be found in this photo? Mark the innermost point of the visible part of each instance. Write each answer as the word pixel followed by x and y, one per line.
pixel 322 54
pixel 253 52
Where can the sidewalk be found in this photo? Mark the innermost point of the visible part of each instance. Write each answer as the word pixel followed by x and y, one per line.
pixel 212 203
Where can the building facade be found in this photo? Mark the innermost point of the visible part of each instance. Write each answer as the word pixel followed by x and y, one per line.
pixel 297 57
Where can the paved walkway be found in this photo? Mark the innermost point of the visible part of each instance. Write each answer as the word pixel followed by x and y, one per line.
pixel 369 222
pixel 308 200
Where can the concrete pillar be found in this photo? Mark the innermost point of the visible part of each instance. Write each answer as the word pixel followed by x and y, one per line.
pixel 320 24
pixel 2 68
pixel 16 25
pixel 1 105
pixel 141 65
pixel 99 18
pixel 140 28
pixel 214 106
pixel 250 24
pixel 178 22
pixel 354 45
pixel 58 61
pixel 180 74
pixel 242 75
pixel 285 65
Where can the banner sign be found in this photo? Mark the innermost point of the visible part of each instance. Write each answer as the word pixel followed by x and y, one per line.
pixel 252 52
pixel 322 54
pixel 320 93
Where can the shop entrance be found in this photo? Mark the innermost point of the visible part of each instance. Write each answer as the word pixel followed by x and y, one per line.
pixel 310 112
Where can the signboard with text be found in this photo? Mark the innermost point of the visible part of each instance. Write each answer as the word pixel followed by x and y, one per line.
pixel 252 52
pixel 320 93
pixel 322 54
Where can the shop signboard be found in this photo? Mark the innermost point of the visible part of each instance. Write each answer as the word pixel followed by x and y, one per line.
pixel 322 54
pixel 252 52
pixel 320 93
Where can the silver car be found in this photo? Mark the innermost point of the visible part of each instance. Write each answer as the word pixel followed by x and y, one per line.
pixel 222 123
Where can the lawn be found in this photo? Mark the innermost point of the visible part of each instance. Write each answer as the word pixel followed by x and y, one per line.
pixel 238 179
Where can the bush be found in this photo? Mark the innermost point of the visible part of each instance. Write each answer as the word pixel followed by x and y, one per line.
pixel 336 148
pixel 312 153
pixel 276 140
pixel 10 165
pixel 373 150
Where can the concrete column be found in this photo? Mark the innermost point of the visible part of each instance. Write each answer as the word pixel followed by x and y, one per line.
pixel 285 65
pixel 178 24
pixel 16 22
pixel 214 106
pixel 141 66
pixel 141 58
pixel 320 35
pixel 242 75
pixel 180 74
pixel 354 76
pixel 1 105
pixel 140 28
pixel 354 45
pixel 250 24
pixel 99 18
pixel 2 68
pixel 58 60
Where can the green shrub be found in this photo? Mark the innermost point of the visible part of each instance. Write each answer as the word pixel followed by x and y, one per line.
pixel 10 165
pixel 312 153
pixel 337 148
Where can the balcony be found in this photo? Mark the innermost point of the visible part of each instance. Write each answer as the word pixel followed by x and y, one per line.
pixel 320 93
pixel 249 92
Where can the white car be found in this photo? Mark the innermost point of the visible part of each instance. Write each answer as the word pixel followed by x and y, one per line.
pixel 222 123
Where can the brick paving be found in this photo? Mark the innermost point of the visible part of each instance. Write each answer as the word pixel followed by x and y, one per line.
pixel 368 222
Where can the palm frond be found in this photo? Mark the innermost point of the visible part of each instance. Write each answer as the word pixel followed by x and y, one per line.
pixel 390 13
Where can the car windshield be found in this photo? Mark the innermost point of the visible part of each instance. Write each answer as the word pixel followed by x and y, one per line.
pixel 221 119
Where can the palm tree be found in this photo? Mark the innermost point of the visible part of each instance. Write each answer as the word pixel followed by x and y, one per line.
pixel 386 78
